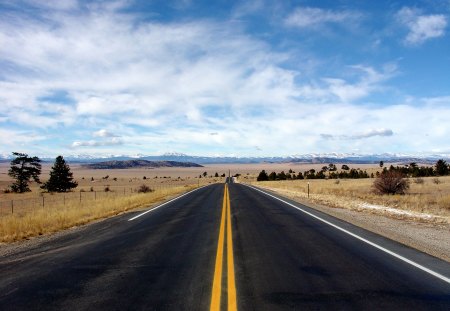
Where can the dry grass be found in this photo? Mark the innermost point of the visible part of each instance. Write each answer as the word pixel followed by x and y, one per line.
pixel 43 221
pixel 427 197
pixel 62 211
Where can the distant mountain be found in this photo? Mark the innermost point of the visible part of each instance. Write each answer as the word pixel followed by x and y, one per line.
pixel 347 158
pixel 138 163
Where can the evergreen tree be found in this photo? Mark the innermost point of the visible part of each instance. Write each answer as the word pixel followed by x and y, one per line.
pixel 262 176
pixel 23 168
pixel 441 168
pixel 345 167
pixel 61 179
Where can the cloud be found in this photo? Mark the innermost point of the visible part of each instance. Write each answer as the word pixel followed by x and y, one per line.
pixel 103 133
pixel 309 17
pixel 367 134
pixel 421 27
pixel 171 84
pixel 93 143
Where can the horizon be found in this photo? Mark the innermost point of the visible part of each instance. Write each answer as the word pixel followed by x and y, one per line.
pixel 239 79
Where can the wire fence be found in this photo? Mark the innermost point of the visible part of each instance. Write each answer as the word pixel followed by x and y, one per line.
pixel 20 207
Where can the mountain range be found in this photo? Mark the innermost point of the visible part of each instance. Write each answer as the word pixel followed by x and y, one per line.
pixel 299 158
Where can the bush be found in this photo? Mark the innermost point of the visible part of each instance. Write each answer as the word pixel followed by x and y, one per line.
pixel 107 189
pixel 436 180
pixel 391 182
pixel 419 180
pixel 6 190
pixel 144 189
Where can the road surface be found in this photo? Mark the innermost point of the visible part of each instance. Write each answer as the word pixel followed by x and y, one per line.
pixel 223 247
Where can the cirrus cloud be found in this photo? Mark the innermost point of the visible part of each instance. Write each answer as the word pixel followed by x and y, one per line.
pixel 421 27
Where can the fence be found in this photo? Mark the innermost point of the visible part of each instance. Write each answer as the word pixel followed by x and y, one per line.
pixel 50 200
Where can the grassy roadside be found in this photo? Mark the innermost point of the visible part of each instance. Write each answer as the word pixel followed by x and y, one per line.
pixel 422 199
pixel 45 221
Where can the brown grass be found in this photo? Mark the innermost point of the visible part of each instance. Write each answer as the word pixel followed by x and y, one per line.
pixel 41 221
pixel 429 198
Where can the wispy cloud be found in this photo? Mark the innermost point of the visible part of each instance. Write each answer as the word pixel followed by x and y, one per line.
pixel 421 27
pixel 93 143
pixel 367 134
pixel 104 133
pixel 310 17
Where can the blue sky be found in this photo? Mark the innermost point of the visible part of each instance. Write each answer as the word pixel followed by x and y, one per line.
pixel 245 78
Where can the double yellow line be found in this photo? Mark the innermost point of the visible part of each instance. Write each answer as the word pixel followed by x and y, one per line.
pixel 217 283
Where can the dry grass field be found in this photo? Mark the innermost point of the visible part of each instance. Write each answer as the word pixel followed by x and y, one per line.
pixel 36 213
pixel 428 197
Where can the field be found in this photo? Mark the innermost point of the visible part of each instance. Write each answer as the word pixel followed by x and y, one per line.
pixel 428 200
pixel 36 213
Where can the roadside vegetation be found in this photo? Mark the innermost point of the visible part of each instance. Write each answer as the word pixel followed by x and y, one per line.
pixel 29 207
pixel 420 189
pixel 39 221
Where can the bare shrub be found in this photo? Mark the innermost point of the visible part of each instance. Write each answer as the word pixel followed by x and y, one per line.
pixel 6 190
pixel 144 189
pixel 337 181
pixel 419 180
pixel 391 182
pixel 436 180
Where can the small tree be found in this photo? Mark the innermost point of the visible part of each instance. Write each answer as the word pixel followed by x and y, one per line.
pixel 205 174
pixel 345 167
pixel 441 168
pixel 262 176
pixel 61 178
pixel 23 168
pixel 381 164
pixel 216 174
pixel 391 182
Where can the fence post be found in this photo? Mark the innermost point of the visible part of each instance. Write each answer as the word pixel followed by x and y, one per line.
pixel 308 190
pixel 12 206
pixel 80 196
pixel 43 201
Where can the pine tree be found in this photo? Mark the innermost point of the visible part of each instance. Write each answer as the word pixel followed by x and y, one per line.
pixel 23 168
pixel 61 179
pixel 262 176
pixel 441 168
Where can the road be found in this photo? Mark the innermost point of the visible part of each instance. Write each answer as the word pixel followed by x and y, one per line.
pixel 220 247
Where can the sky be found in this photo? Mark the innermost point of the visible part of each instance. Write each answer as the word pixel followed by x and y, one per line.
pixel 224 78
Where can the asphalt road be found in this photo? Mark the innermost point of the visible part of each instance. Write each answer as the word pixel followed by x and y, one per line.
pixel 214 247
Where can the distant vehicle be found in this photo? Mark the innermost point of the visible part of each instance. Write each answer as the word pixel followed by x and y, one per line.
pixel 231 180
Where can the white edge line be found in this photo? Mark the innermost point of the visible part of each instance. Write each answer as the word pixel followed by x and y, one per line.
pixel 161 205
pixel 419 266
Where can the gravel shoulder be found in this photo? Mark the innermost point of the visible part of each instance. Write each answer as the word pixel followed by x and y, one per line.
pixel 429 237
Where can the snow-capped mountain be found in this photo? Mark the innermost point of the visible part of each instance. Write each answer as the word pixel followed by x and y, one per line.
pixel 296 158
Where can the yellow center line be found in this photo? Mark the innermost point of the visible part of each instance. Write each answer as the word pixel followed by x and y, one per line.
pixel 217 282
pixel 232 305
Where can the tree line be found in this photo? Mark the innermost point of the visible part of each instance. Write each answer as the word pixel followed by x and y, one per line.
pixel 24 169
pixel 329 171
pixel 441 168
